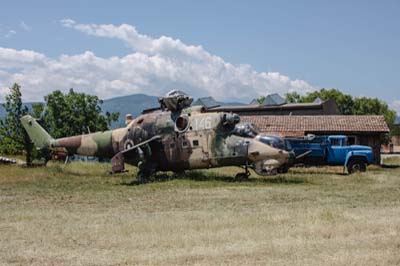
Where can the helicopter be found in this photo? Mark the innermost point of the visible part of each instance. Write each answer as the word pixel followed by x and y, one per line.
pixel 173 137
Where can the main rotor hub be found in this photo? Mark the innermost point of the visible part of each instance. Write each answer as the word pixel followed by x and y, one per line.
pixel 175 100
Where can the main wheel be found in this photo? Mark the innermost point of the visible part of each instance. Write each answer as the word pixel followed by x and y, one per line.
pixel 179 174
pixel 146 171
pixel 143 176
pixel 283 169
pixel 356 165
pixel 242 176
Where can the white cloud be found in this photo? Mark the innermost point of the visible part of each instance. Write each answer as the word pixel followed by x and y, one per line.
pixel 395 105
pixel 155 66
pixel 139 42
pixel 11 58
pixel 24 26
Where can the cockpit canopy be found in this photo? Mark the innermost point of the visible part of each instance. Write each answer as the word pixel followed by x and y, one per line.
pixel 246 130
pixel 273 141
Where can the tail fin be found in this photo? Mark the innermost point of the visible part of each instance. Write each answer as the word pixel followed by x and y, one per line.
pixel 36 133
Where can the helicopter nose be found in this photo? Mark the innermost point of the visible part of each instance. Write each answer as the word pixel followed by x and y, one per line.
pixel 260 151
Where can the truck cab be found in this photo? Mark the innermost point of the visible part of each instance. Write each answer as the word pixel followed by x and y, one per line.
pixel 329 150
pixel 336 149
pixel 353 157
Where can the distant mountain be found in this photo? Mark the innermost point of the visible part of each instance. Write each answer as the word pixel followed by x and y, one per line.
pixel 131 104
pixel 397 120
pixel 134 104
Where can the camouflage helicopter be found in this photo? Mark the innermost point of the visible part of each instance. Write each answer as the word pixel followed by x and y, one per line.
pixel 174 137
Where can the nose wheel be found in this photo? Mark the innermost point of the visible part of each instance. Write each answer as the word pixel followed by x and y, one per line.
pixel 245 175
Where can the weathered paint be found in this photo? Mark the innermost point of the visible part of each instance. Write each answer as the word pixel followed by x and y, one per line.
pixel 201 140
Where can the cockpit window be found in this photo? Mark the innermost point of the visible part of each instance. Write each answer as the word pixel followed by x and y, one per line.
pixel 247 130
pixel 272 141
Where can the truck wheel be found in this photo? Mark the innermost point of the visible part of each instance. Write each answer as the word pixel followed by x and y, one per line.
pixel 356 165
pixel 363 167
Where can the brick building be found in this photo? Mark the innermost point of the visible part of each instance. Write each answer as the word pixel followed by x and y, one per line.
pixel 395 139
pixel 275 116
pixel 360 129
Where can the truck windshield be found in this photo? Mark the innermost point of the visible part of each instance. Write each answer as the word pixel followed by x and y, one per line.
pixel 338 141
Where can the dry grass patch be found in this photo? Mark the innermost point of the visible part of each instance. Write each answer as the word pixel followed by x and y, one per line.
pixel 79 215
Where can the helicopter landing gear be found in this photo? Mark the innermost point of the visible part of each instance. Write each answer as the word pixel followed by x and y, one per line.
pixel 143 176
pixel 146 170
pixel 245 175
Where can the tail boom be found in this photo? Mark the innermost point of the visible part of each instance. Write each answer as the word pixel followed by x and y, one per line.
pixel 95 144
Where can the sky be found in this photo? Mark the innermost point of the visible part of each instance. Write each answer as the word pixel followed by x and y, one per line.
pixel 231 50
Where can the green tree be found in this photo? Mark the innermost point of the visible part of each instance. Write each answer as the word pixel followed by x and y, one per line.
pixel 74 113
pixel 348 105
pixel 260 100
pixel 374 106
pixel 293 97
pixel 344 101
pixel 14 138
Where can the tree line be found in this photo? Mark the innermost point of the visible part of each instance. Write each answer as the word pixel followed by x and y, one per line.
pixel 347 104
pixel 73 113
pixel 61 114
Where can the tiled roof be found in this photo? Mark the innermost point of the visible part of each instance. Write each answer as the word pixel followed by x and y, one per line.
pixel 319 123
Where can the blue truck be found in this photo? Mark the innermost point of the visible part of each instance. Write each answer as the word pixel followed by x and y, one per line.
pixel 324 150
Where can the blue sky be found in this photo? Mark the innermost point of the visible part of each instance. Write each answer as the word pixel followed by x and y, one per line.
pixel 350 45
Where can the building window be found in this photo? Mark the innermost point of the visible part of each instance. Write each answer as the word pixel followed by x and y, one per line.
pixel 195 143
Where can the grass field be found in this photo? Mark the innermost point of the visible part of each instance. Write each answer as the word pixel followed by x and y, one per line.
pixel 79 215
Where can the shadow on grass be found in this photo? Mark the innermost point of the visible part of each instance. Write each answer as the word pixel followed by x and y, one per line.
pixel 390 166
pixel 318 172
pixel 199 176
pixel 159 178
